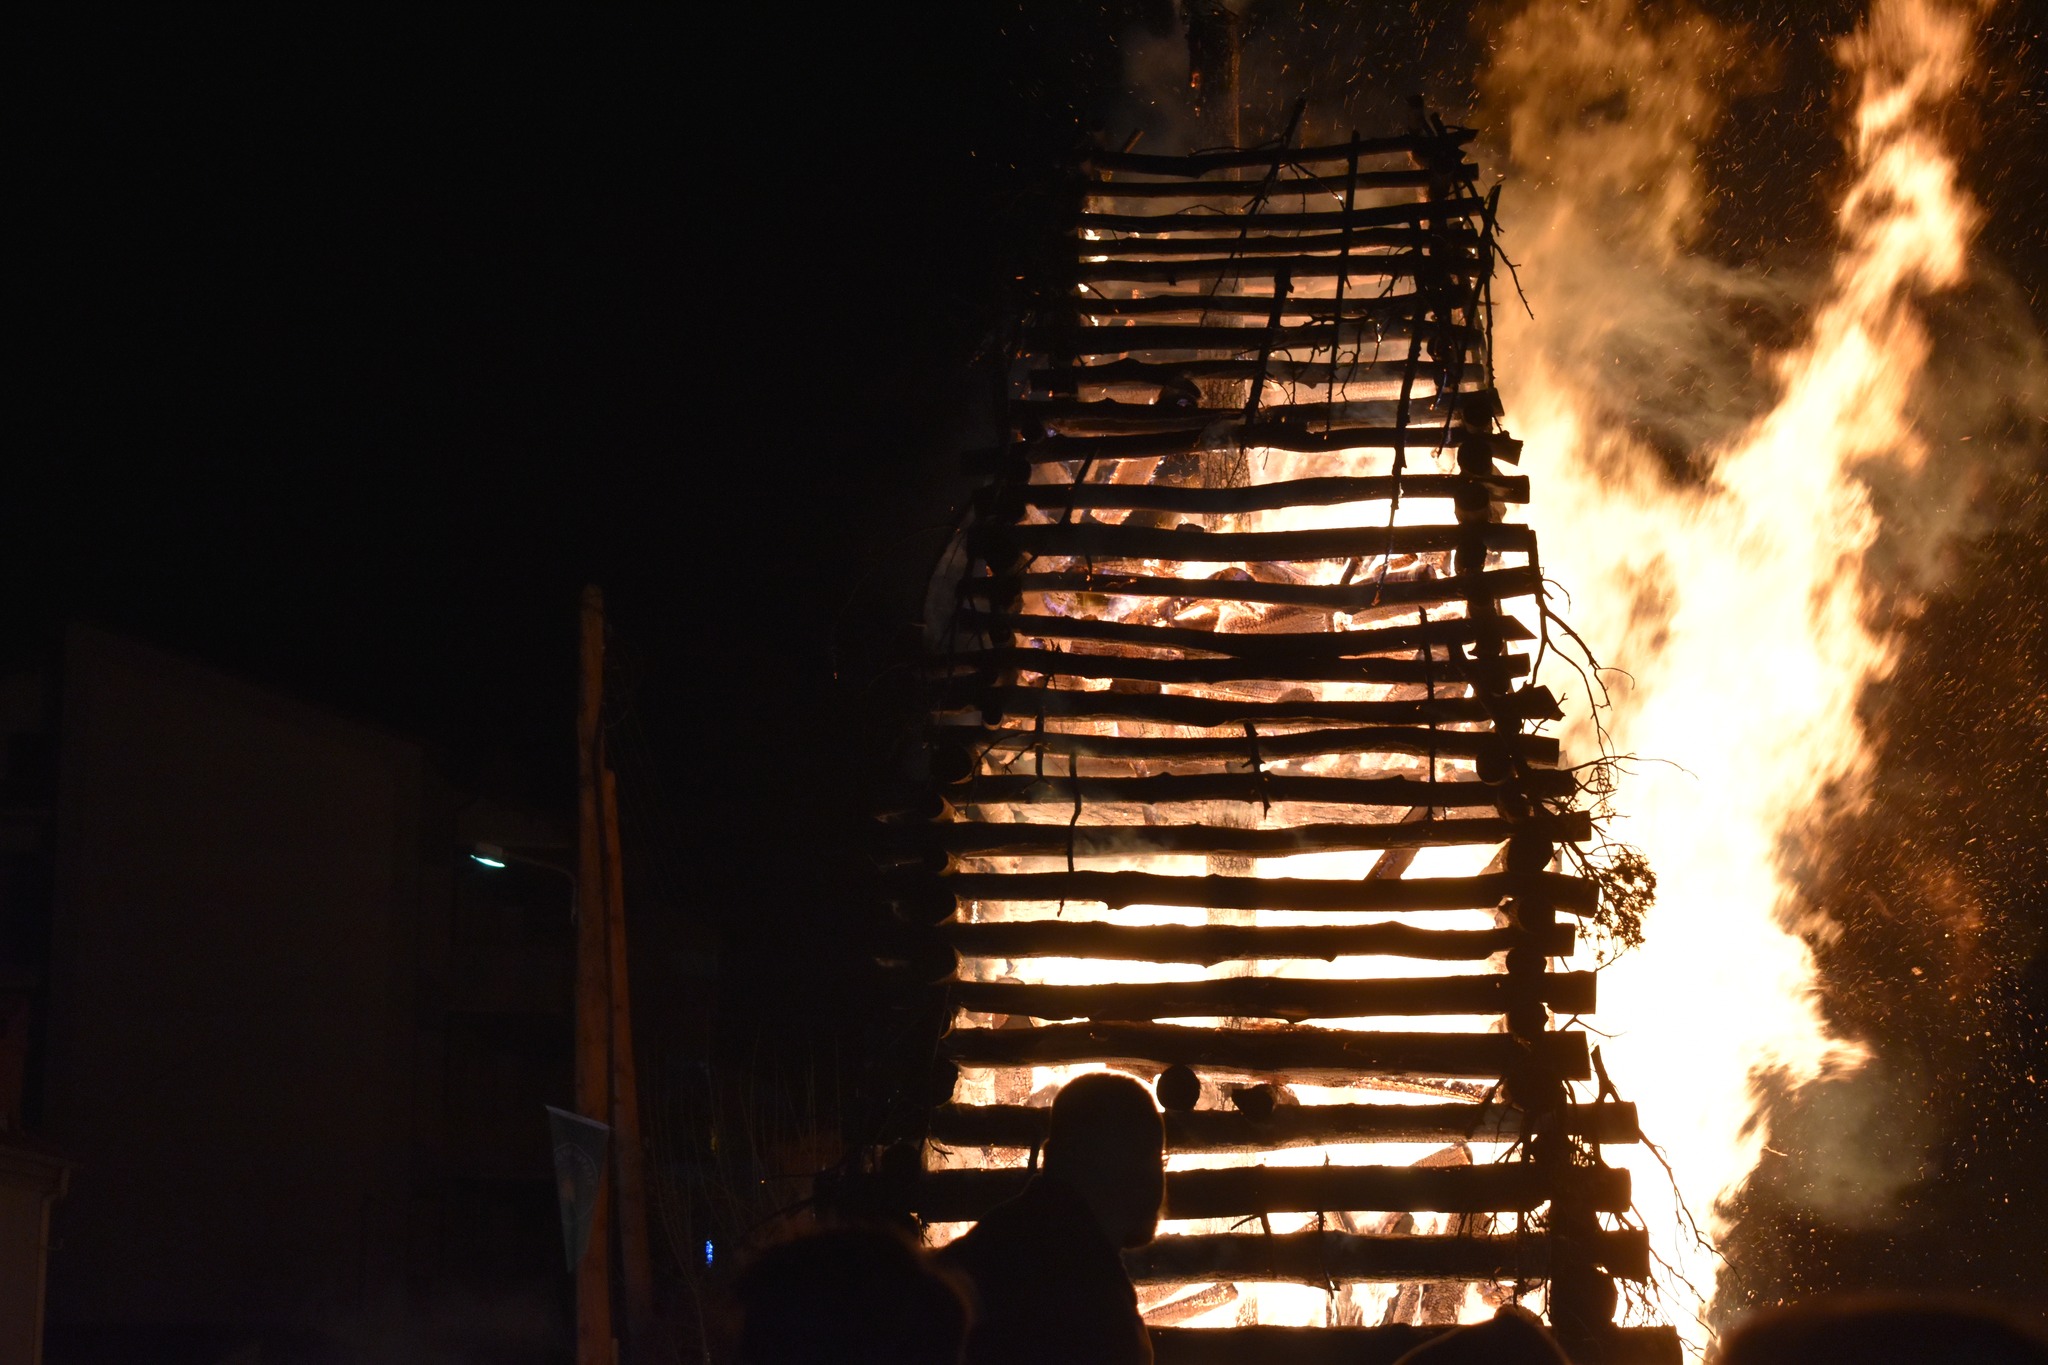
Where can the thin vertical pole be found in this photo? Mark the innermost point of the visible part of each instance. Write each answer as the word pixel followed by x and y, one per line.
pixel 628 1156
pixel 593 1008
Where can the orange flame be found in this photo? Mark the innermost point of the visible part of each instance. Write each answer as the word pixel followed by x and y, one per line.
pixel 1733 598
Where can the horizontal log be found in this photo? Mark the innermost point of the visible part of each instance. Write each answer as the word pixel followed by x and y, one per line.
pixel 1293 999
pixel 1110 416
pixel 1361 594
pixel 959 1196
pixel 1310 1056
pixel 1247 243
pixel 970 838
pixel 1315 336
pixel 1272 187
pixel 1294 1125
pixel 1208 944
pixel 1433 147
pixel 1448 230
pixel 1540 750
pixel 1236 436
pixel 1100 540
pixel 1416 213
pixel 1057 663
pixel 1120 889
pixel 1456 266
pixel 1383 1345
pixel 1272 497
pixel 1250 788
pixel 1527 703
pixel 1391 313
pixel 1275 645
pixel 1322 1257
pixel 1358 367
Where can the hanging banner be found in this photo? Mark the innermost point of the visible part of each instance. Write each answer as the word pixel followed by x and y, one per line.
pixel 579 1171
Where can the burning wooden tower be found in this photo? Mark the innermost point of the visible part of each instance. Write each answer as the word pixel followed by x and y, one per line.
pixel 1240 786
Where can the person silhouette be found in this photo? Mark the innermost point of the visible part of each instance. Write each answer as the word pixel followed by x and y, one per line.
pixel 1048 1282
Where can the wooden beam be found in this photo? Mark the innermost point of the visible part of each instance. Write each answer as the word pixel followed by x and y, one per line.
pixel 1209 944
pixel 957 1196
pixel 1309 1055
pixel 1083 341
pixel 1295 1125
pixel 1377 1345
pixel 1323 1257
pixel 1250 788
pixel 1120 889
pixel 1271 497
pixel 1527 703
pixel 1100 540
pixel 1294 999
pixel 1055 663
pixel 1540 750
pixel 1366 593
pixel 969 838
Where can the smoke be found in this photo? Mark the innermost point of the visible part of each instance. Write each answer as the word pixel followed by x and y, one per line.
pixel 1888 379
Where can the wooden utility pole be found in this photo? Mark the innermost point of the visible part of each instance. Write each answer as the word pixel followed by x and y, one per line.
pixel 628 1156
pixel 594 1336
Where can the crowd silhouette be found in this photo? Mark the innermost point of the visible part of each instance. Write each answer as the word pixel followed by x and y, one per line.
pixel 1039 1281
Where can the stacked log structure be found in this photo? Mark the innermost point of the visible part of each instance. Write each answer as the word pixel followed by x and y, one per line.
pixel 1236 779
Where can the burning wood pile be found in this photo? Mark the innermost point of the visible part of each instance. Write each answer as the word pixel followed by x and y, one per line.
pixel 1239 785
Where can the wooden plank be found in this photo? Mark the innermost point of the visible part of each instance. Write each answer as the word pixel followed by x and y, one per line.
pixel 1293 1053
pixel 1108 416
pixel 1100 540
pixel 1086 341
pixel 1418 439
pixel 1541 750
pixel 1270 497
pixel 1455 266
pixel 958 1196
pixel 1029 703
pixel 1208 944
pixel 969 838
pixel 1364 594
pixel 1293 999
pixel 1295 1125
pixel 1447 673
pixel 1323 1257
pixel 1378 1345
pixel 1120 889
pixel 1258 789
pixel 1273 187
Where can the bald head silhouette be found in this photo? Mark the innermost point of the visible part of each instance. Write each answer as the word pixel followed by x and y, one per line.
pixel 1107 1144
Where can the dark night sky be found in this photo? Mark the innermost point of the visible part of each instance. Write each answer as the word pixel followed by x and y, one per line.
pixel 351 350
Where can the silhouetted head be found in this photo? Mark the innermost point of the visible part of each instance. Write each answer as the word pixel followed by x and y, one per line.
pixel 852 1296
pixel 1881 1331
pixel 1514 1336
pixel 1108 1145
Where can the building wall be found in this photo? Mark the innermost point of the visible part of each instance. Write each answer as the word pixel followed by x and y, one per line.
pixel 231 1000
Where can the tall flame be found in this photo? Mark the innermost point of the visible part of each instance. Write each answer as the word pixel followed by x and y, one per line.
pixel 1727 582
